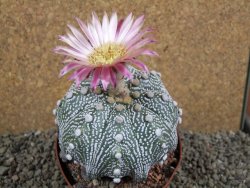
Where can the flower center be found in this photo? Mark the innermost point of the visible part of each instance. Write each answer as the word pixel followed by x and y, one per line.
pixel 106 54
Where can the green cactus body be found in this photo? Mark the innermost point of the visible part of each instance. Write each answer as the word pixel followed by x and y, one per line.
pixel 117 139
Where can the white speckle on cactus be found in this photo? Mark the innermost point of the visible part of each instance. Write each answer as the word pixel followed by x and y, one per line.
pixel 135 82
pixel 88 118
pixel 179 120
pixel 117 180
pixel 75 162
pixel 84 90
pixel 164 97
pixel 144 75
pixel 58 102
pixel 118 155
pixel 165 157
pixel 77 132
pixel 68 157
pixel 138 107
pixel 180 111
pixel 118 137
pixel 135 94
pixel 161 162
pixel 150 94
pixel 54 111
pixel 175 103
pixel 71 146
pixel 117 172
pixel 119 107
pixel 69 94
pixel 164 146
pixel 118 119
pixel 99 106
pixel 158 132
pixel 149 118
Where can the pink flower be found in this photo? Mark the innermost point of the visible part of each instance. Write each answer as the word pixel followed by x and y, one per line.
pixel 103 49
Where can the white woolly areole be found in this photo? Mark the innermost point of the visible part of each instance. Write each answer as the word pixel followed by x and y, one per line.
pixel 118 155
pixel 71 146
pixel 68 157
pixel 69 94
pixel 144 75
pixel 180 111
pixel 161 162
pixel 54 111
pixel 88 118
pixel 99 106
pixel 118 119
pixel 150 94
pixel 117 172
pixel 165 157
pixel 158 132
pixel 117 180
pixel 118 137
pixel 175 103
pixel 179 120
pixel 84 90
pixel 164 97
pixel 164 146
pixel 149 118
pixel 138 107
pixel 58 102
pixel 77 132
pixel 56 122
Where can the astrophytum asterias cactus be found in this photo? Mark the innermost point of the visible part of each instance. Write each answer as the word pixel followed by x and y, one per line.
pixel 117 137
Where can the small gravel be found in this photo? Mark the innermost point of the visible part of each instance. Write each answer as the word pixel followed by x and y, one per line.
pixel 209 160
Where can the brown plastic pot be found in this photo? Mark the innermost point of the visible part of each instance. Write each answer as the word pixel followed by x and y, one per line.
pixel 71 182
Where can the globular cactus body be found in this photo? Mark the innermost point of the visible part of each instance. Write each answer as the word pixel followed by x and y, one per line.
pixel 116 138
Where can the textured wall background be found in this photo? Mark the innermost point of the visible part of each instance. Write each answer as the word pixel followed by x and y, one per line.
pixel 203 46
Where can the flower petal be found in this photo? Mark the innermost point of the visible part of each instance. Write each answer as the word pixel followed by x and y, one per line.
pixel 96 23
pixel 96 77
pixel 68 68
pixel 123 70
pixel 125 28
pixel 105 77
pixel 113 77
pixel 139 64
pixel 82 75
pixel 113 27
pixel 105 28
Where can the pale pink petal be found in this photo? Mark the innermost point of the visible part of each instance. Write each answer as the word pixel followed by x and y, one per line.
pixel 135 28
pixel 68 68
pixel 125 28
pixel 150 53
pixel 139 64
pixel 137 37
pixel 141 43
pixel 119 25
pixel 79 36
pixel 96 23
pixel 113 27
pixel 105 28
pixel 96 77
pixel 94 35
pixel 86 31
pixel 75 73
pixel 70 52
pixel 134 53
pixel 82 75
pixel 123 70
pixel 105 77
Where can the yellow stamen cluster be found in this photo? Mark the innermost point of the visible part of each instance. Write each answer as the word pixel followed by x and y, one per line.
pixel 106 54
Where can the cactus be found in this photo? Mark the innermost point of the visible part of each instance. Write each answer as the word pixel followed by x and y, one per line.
pixel 119 132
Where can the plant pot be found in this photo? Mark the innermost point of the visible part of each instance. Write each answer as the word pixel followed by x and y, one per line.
pixel 177 154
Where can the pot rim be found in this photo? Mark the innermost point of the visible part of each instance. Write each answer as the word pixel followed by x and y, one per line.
pixel 62 168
